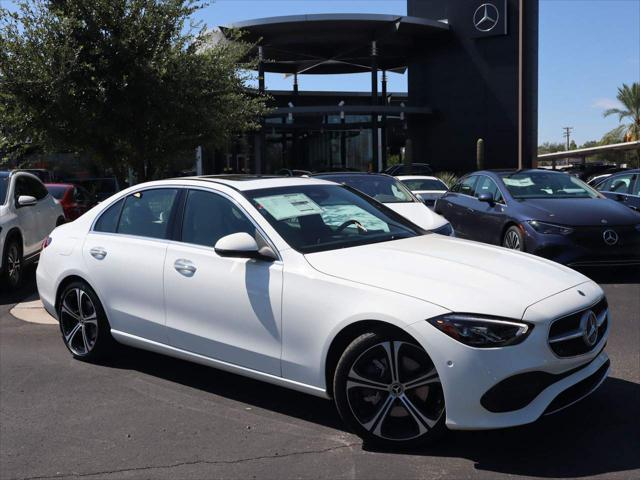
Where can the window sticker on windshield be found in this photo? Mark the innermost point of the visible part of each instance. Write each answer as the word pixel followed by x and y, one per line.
pixel 336 215
pixel 518 182
pixel 291 205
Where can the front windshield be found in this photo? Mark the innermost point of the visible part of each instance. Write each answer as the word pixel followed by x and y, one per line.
pixel 314 218
pixel 540 184
pixel 383 188
pixel 4 186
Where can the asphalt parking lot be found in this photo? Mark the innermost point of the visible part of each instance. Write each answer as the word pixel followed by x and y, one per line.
pixel 142 415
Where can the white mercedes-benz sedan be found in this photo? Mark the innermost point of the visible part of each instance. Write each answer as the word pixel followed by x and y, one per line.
pixel 313 286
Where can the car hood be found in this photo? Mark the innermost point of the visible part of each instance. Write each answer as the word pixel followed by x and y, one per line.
pixel 419 214
pixel 579 211
pixel 459 275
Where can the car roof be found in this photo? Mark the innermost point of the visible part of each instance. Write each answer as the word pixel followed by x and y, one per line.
pixel 417 177
pixel 350 174
pixel 253 182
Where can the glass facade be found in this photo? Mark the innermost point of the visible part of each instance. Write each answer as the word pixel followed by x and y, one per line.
pixel 321 143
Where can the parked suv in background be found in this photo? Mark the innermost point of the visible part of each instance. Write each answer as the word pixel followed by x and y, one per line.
pixel 28 213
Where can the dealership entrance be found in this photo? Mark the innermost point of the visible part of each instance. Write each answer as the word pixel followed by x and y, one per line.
pixel 319 131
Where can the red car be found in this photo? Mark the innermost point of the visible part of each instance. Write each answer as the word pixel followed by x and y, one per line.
pixel 75 200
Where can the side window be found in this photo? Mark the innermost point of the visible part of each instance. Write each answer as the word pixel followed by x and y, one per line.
pixel 487 185
pixel 466 185
pixel 147 213
pixel 78 196
pixel 208 217
pixel 636 188
pixel 30 186
pixel 617 184
pixel 108 221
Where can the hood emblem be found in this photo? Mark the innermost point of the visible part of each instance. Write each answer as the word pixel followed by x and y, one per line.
pixel 603 221
pixel 610 237
pixel 589 325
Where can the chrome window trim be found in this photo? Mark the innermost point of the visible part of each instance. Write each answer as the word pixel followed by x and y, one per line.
pixel 241 208
pixel 205 188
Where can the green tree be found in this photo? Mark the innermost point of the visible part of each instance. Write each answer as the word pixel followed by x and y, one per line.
pixel 629 97
pixel 550 147
pixel 133 82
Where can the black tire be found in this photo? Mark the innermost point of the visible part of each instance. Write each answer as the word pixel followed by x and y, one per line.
pixel 384 417
pixel 12 264
pixel 513 239
pixel 92 340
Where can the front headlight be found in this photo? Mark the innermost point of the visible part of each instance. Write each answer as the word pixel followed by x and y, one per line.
pixel 550 228
pixel 481 332
pixel 445 229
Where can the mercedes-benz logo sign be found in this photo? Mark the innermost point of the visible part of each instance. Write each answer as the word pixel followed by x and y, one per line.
pixel 589 324
pixel 610 237
pixel 486 17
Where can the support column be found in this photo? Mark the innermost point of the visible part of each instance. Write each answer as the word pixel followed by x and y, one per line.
pixel 383 129
pixel 374 102
pixel 294 163
pixel 343 136
pixel 259 144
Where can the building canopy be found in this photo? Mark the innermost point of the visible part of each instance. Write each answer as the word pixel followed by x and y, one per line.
pixel 338 43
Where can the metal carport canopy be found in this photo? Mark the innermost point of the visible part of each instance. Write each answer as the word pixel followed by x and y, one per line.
pixel 338 43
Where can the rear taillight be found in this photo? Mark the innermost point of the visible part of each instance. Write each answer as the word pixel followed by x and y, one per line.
pixel 46 243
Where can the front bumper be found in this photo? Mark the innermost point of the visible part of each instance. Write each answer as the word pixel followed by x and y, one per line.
pixel 586 246
pixel 467 373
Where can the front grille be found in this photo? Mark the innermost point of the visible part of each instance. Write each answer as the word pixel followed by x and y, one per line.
pixel 566 334
pixel 578 391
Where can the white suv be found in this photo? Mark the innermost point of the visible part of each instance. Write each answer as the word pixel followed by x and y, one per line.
pixel 27 215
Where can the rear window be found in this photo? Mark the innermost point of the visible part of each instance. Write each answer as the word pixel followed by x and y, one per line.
pixel 57 191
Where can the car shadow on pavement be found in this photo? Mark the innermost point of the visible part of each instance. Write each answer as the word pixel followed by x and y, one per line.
pixel 598 435
pixel 28 290
pixel 231 386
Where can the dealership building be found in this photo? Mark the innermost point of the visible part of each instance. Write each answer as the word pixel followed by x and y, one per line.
pixel 472 74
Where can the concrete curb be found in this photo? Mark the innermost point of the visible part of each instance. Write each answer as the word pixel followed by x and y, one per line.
pixel 32 312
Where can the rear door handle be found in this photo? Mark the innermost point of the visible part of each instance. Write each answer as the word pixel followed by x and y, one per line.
pixel 185 267
pixel 98 253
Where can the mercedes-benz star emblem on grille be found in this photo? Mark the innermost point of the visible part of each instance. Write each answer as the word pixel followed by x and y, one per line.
pixel 610 237
pixel 589 324
pixel 486 17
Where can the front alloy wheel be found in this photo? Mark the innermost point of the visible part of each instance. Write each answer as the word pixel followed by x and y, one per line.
pixel 83 324
pixel 389 392
pixel 513 239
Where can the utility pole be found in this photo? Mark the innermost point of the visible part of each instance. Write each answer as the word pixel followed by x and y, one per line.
pixel 567 135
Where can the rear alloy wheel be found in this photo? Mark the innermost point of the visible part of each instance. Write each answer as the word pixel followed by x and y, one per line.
pixel 83 323
pixel 513 239
pixel 389 392
pixel 13 265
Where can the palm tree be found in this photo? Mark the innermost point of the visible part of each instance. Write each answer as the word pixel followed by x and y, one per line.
pixel 629 97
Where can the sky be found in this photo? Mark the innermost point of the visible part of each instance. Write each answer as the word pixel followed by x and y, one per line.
pixel 588 48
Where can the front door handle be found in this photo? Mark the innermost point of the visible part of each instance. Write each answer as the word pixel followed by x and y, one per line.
pixel 98 253
pixel 185 267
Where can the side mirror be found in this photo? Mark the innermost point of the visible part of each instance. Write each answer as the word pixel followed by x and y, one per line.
pixel 243 245
pixel 487 198
pixel 26 201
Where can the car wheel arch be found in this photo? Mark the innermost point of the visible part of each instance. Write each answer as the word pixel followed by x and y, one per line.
pixel 12 234
pixel 67 281
pixel 348 334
